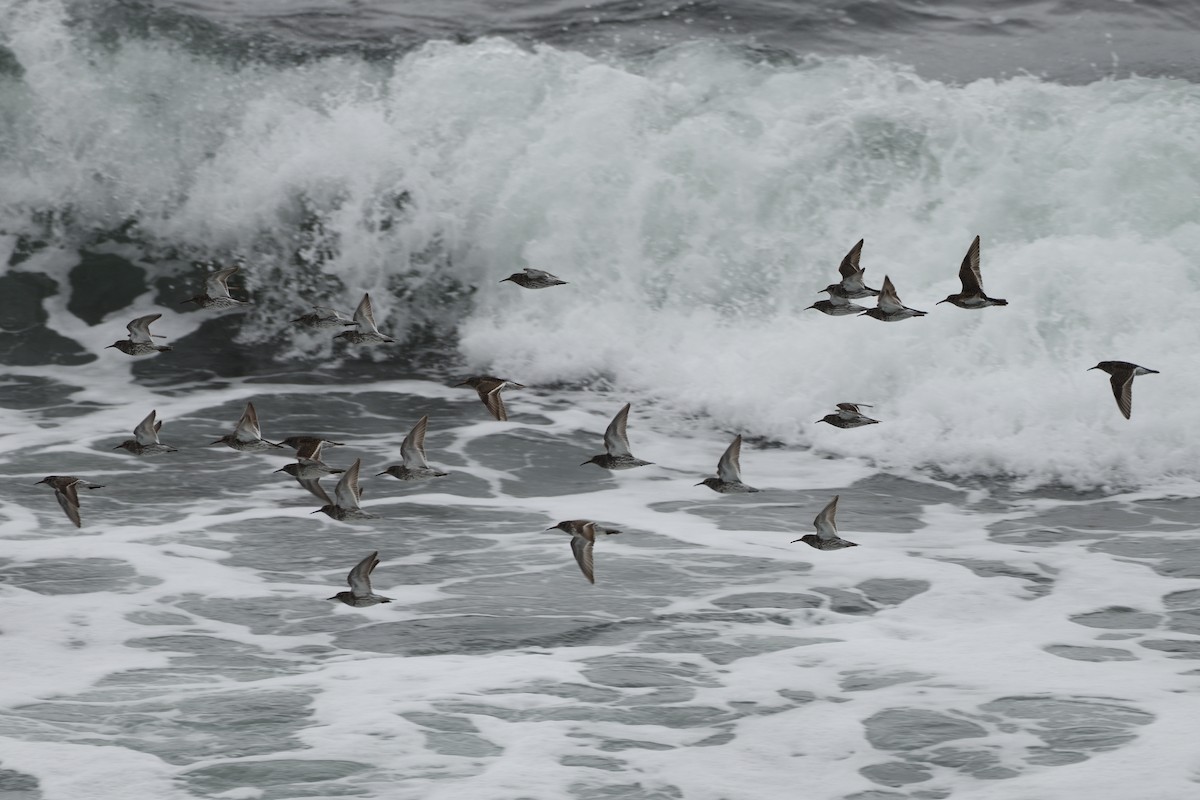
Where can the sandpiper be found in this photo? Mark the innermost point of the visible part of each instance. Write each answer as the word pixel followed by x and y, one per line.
pixel 367 333
pixel 414 466
pixel 322 317
pixel 583 537
pixel 140 341
pixel 826 537
pixel 534 279
pixel 888 306
pixel 972 295
pixel 66 491
pixel 837 306
pixel 489 389
pixel 145 439
pixel 299 443
pixel 616 442
pixel 729 472
pixel 308 470
pixel 1122 374
pixel 848 416
pixel 247 437
pixel 851 286
pixel 216 291
pixel 347 494
pixel 361 594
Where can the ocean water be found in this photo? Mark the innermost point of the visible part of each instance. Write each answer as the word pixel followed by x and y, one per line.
pixel 1019 619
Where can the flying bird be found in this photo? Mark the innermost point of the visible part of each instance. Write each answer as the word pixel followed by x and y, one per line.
pixel 367 333
pixel 888 307
pixel 489 389
pixel 140 341
pixel 247 436
pixel 414 466
pixel 583 538
pixel 972 295
pixel 1121 377
pixel 534 279
pixel 616 445
pixel 145 439
pixel 66 491
pixel 361 595
pixel 826 537
pixel 729 472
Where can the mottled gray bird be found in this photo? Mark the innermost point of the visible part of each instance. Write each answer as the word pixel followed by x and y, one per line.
pixel 308 470
pixel 346 496
pixel 888 306
pixel 848 416
pixel 583 538
pixel 414 466
pixel 247 437
pixel 216 291
pixel 140 341
pixel 489 388
pixel 972 295
pixel 361 595
pixel 851 286
pixel 66 491
pixel 534 279
pixel 323 317
pixel 729 472
pixel 367 333
pixel 616 443
pixel 1121 377
pixel 145 439
pixel 826 537
pixel 837 306
pixel 299 443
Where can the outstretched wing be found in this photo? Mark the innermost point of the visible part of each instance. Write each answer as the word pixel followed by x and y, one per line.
pixel 217 284
pixel 582 541
pixel 347 491
pixel 616 440
pixel 849 267
pixel 146 432
pixel 729 468
pixel 68 498
pixel 139 329
pixel 824 522
pixel 247 427
pixel 360 577
pixel 364 315
pixel 412 449
pixel 889 301
pixel 1122 386
pixel 968 273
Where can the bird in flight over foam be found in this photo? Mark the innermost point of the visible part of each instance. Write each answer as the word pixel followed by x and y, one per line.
pixel 489 389
pixel 1121 375
pixel 413 465
pixel 616 445
pixel 583 538
pixel 849 416
pixel 361 594
pixel 367 333
pixel 216 291
pixel 729 472
pixel 140 341
pixel 972 295
pixel 66 491
pixel 534 279
pixel 888 306
pixel 826 537
pixel 145 439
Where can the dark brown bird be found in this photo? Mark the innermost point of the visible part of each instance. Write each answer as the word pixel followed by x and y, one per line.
pixel 583 537
pixel 489 389
pixel 1121 377
pixel 140 341
pixel 972 295
pixel 66 491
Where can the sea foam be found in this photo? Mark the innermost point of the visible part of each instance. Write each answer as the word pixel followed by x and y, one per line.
pixel 695 201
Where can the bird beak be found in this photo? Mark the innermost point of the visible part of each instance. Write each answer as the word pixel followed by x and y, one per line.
pixel 281 469
pixel 793 541
pixel 332 598
pixel 502 280
pixel 381 473
pixel 111 345
pixel 218 441
pixel 584 464
pixel 118 447
pixel 701 483
pixel 939 302
pixel 318 511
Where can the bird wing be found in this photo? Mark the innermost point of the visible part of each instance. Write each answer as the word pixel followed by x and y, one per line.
pixel 347 491
pixel 146 432
pixel 364 315
pixel 217 285
pixel 852 406
pixel 729 468
pixel 139 329
pixel 968 273
pixel 412 449
pixel 314 487
pixel 824 522
pixel 849 266
pixel 310 451
pixel 582 540
pixel 247 428
pixel 1122 386
pixel 360 577
pixel 889 301
pixel 68 498
pixel 616 440
pixel 494 402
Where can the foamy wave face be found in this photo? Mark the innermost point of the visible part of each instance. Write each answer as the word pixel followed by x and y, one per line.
pixel 695 203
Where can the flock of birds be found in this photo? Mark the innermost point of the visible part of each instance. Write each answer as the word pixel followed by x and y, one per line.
pixel 360 328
